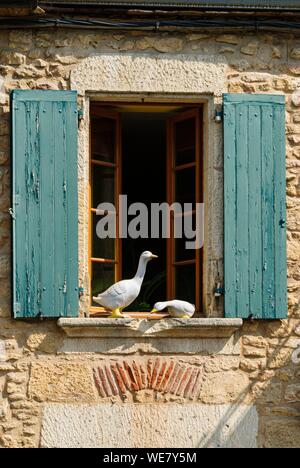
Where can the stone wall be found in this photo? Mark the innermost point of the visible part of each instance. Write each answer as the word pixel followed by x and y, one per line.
pixel 238 391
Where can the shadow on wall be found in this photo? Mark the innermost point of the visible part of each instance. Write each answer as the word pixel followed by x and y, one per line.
pixel 274 389
pixel 247 397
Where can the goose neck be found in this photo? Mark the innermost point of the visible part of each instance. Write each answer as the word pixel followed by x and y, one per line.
pixel 141 269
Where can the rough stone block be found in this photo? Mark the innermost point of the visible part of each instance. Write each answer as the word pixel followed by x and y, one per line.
pixel 222 363
pixel 61 381
pixel 292 393
pixel 282 434
pixel 2 351
pixel 251 351
pixel 224 387
pixel 257 341
pixel 44 342
pixel 265 393
pixel 279 358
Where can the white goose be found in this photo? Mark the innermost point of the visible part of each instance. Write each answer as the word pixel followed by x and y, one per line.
pixel 122 294
pixel 176 308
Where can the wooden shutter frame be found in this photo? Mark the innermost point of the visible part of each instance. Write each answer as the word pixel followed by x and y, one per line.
pixel 268 140
pixel 69 289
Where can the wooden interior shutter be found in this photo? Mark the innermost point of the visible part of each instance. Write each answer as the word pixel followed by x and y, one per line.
pixel 44 196
pixel 254 206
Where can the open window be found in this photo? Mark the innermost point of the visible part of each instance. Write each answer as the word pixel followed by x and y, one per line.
pixel 152 154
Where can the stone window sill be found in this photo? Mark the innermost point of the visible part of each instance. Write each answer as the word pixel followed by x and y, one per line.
pixel 163 328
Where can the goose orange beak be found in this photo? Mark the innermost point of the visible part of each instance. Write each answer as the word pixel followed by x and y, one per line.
pixel 153 311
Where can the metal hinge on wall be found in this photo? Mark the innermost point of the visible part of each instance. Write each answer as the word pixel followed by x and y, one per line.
pixel 11 210
pixel 17 307
pixel 12 213
pixel 80 115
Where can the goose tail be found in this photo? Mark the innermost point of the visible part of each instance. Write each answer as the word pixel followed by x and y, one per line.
pixel 97 298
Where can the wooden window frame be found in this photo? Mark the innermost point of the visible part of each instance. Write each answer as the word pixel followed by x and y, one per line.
pixel 197 112
pixel 117 165
pixel 171 170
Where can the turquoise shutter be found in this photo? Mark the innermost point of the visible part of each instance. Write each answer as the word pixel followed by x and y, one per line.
pixel 44 196
pixel 254 206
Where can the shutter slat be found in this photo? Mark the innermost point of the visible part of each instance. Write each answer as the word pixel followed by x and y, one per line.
pixel 19 207
pixel 268 212
pixel 45 228
pixel 72 203
pixel 230 208
pixel 254 206
pixel 242 252
pixel 47 214
pixel 33 207
pixel 280 212
pixel 60 238
pixel 255 187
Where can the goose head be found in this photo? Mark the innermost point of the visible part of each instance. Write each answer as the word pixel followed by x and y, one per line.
pixel 158 307
pixel 147 256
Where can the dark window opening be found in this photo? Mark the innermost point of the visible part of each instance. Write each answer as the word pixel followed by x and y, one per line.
pixel 152 154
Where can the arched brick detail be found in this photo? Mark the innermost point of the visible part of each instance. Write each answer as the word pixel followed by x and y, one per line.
pixel 161 375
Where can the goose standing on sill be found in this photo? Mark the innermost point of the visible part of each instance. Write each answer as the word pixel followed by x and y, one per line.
pixel 122 294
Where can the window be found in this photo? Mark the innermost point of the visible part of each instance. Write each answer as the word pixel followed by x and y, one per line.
pixel 152 154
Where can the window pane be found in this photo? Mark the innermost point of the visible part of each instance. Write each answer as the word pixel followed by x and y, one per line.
pixel 188 227
pixel 103 185
pixel 185 280
pixel 103 139
pixel 103 276
pixel 185 186
pixel 181 253
pixel 185 141
pixel 101 248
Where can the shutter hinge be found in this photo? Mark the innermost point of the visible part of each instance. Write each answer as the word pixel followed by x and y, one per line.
pixel 65 287
pixel 251 318
pixel 17 307
pixel 12 213
pixel 16 202
pixel 218 116
pixel 219 290
pixel 80 114
pixel 80 291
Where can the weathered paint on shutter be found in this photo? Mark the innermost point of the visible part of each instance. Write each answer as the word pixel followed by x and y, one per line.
pixel 254 206
pixel 45 219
